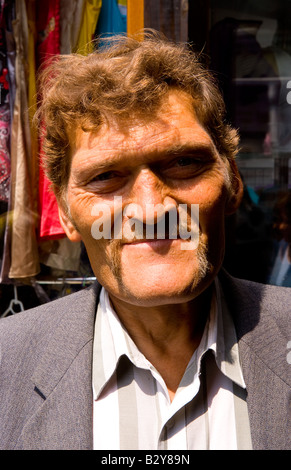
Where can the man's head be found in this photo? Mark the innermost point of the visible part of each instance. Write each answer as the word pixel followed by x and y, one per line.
pixel 127 80
pixel 141 121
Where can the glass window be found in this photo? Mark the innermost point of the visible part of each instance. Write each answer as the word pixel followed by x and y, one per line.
pixel 248 44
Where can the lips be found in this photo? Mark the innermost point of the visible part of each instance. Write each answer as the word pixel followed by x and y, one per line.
pixel 154 240
pixel 159 246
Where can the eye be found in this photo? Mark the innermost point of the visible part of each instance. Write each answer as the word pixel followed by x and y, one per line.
pixel 107 175
pixel 186 161
pixel 183 168
pixel 106 182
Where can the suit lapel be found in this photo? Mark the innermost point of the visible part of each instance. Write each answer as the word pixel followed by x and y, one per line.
pixel 268 399
pixel 63 380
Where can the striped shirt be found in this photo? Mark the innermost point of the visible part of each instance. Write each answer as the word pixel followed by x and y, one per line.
pixel 132 409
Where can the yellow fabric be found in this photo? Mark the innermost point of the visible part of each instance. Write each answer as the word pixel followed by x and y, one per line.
pixel 91 14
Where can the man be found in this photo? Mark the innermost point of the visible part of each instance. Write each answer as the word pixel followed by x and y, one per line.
pixel 171 352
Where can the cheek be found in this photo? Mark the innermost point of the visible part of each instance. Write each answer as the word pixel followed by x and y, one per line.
pixel 90 214
pixel 212 203
pixel 212 221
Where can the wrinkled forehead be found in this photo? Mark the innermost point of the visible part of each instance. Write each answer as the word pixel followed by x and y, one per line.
pixel 173 123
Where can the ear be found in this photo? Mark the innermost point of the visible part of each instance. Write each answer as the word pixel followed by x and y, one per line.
pixel 67 224
pixel 236 190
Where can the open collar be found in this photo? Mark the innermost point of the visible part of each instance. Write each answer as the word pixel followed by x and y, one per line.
pixel 112 341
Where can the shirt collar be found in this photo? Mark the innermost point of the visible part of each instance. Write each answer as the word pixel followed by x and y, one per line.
pixel 111 342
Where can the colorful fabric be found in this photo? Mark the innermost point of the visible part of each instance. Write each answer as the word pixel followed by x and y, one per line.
pixel 112 19
pixel 71 14
pixel 91 12
pixel 5 169
pixel 48 45
pixel 5 117
pixel 24 253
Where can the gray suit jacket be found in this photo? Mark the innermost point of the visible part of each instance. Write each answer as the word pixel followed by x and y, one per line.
pixel 46 361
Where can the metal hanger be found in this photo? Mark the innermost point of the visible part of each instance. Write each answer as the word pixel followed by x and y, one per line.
pixel 13 303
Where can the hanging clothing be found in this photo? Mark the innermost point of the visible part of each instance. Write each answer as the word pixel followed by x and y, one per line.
pixel 6 214
pixel 112 19
pixel 32 100
pixel 71 13
pixel 48 45
pixel 4 151
pixel 24 252
pixel 122 5
pixel 31 34
pixel 60 254
pixel 48 30
pixel 91 13
pixel 5 117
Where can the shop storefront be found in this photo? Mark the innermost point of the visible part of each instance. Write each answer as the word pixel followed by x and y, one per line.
pixel 248 46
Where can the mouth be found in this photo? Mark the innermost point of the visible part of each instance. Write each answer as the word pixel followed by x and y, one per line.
pixel 155 238
pixel 160 246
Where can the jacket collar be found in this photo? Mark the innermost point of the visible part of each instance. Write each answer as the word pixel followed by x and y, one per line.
pixel 61 406
pixel 262 322
pixel 261 315
pixel 66 340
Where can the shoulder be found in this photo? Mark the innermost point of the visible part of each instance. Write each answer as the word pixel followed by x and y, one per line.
pixel 39 322
pixel 249 296
pixel 261 315
pixel 258 308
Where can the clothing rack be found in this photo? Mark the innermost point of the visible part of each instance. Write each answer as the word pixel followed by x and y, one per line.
pixel 66 280
pixel 16 306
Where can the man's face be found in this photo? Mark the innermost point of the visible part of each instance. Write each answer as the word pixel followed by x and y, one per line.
pixel 170 160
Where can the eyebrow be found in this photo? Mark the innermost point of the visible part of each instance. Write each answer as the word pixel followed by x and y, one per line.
pixel 203 149
pixel 206 150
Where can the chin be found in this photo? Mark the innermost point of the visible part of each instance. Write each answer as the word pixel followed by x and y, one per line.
pixel 146 281
pixel 162 286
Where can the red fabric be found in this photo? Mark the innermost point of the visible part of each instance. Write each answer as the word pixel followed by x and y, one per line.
pixel 48 29
pixel 50 227
pixel 48 45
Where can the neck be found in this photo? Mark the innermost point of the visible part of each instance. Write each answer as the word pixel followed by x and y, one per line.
pixel 167 335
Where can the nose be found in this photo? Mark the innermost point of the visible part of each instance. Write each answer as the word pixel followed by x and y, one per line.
pixel 152 197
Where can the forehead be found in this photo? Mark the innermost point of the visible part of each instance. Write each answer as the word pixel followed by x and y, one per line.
pixel 173 126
